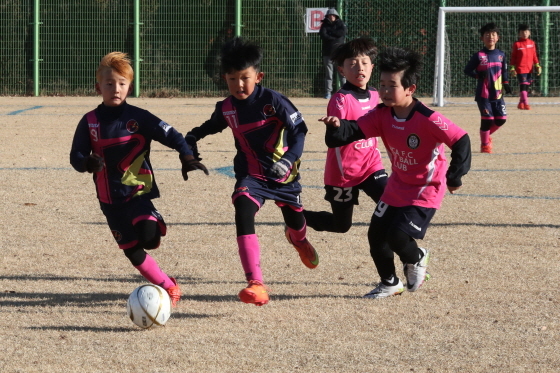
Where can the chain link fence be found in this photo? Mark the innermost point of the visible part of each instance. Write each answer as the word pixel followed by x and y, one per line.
pixel 179 41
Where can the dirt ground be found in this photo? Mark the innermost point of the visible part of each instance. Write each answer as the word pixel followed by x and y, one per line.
pixel 492 304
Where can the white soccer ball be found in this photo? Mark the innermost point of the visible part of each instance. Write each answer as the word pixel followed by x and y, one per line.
pixel 149 305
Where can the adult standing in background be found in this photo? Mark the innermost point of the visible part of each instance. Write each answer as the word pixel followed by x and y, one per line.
pixel 333 33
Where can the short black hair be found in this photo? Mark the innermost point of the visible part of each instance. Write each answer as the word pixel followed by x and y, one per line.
pixel 360 46
pixel 239 54
pixel 394 59
pixel 523 27
pixel 489 27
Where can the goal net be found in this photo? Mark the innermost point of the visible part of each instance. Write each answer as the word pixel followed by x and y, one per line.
pixel 458 39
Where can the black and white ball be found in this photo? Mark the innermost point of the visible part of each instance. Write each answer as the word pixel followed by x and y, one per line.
pixel 149 305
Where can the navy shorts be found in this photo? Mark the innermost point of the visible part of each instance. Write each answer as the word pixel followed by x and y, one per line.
pixel 492 109
pixel 373 186
pixel 122 217
pixel 525 78
pixel 260 190
pixel 413 220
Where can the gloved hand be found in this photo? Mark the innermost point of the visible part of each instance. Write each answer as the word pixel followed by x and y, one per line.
pixel 189 163
pixel 512 72
pixel 191 142
pixel 539 68
pixel 94 163
pixel 507 88
pixel 280 169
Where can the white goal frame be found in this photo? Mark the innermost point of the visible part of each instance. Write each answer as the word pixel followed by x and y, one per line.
pixel 440 46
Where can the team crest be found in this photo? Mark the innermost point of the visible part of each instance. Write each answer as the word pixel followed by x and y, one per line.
pixel 501 58
pixel 132 126
pixel 413 141
pixel 269 110
pixel 117 235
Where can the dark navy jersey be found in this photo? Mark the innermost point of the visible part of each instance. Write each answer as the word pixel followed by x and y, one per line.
pixel 490 68
pixel 122 136
pixel 266 127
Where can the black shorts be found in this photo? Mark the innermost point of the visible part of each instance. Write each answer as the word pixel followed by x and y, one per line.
pixel 373 186
pixel 122 217
pixel 260 190
pixel 526 79
pixel 413 220
pixel 492 109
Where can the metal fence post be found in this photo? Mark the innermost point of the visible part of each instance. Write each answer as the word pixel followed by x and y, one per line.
pixel 136 58
pixel 238 18
pixel 36 59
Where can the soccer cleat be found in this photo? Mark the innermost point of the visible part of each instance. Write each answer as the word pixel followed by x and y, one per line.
pixel 307 252
pixel 486 148
pixel 174 292
pixel 527 107
pixel 384 291
pixel 416 273
pixel 521 106
pixel 255 293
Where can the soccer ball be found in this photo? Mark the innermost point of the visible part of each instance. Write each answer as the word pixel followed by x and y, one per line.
pixel 149 305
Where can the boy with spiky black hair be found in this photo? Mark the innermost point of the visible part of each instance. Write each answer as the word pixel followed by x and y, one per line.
pixel 523 57
pixel 269 135
pixel 489 67
pixel 355 167
pixel 414 136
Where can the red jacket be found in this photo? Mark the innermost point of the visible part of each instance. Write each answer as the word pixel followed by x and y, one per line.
pixel 524 56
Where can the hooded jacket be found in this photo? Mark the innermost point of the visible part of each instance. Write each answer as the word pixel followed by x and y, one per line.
pixel 332 33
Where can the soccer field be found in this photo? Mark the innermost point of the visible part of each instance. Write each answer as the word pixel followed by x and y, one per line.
pixel 492 304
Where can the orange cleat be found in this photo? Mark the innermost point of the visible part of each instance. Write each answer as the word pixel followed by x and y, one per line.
pixel 174 292
pixel 527 107
pixel 255 293
pixel 486 148
pixel 521 106
pixel 307 252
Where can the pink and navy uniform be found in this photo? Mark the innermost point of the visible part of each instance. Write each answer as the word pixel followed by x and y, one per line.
pixel 266 127
pixel 122 136
pixel 492 65
pixel 416 148
pixel 524 56
pixel 349 165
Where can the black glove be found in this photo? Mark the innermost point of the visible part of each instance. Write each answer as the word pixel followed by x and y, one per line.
pixel 94 163
pixel 191 142
pixel 191 164
pixel 507 88
pixel 280 169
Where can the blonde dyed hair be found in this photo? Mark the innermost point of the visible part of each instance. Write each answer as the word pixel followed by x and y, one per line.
pixel 117 61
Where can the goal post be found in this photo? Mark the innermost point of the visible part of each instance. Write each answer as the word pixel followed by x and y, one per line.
pixel 439 74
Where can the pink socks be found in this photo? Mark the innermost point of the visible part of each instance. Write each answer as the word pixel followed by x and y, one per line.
pixel 523 97
pixel 298 235
pixel 151 271
pixel 485 136
pixel 250 255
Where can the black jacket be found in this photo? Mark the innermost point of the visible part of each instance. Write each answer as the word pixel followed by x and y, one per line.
pixel 332 34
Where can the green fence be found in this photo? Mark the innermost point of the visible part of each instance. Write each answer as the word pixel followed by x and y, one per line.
pixel 174 43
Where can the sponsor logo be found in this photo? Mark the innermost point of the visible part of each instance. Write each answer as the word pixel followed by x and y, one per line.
pixel 117 235
pixel 166 127
pixel 269 110
pixel 397 127
pixel 413 141
pixel 230 112
pixel 414 226
pixel 340 102
pixel 296 117
pixel 93 125
pixel 132 126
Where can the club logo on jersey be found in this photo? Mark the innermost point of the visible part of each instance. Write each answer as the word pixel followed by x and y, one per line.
pixel 441 124
pixel 132 126
pixel 413 141
pixel 340 102
pixel 501 58
pixel 117 235
pixel 166 127
pixel 269 110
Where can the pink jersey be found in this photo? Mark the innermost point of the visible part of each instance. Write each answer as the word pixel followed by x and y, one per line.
pixel 415 146
pixel 351 164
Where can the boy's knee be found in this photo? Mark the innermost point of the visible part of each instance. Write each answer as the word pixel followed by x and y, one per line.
pixel 136 255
